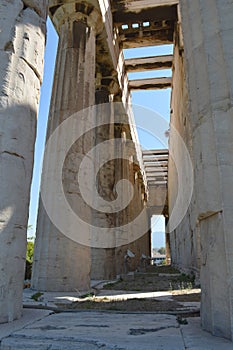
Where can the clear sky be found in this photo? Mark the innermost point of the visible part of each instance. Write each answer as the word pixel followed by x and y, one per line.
pixel 158 101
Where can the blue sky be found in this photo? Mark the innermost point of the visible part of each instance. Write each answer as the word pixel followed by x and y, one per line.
pixel 158 101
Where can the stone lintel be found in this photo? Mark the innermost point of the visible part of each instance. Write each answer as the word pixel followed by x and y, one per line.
pixel 148 63
pixel 150 84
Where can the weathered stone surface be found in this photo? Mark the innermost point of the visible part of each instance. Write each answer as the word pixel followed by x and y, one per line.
pixel 101 330
pixel 9 12
pixel 39 6
pixel 201 112
pixel 184 243
pixel 22 43
pixel 205 118
pixel 113 331
pixel 29 316
pixel 107 263
pixel 65 264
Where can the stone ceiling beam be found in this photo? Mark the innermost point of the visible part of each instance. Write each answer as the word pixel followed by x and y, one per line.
pixel 131 40
pixel 150 84
pixel 159 182
pixel 138 5
pixel 155 152
pixel 124 16
pixel 148 63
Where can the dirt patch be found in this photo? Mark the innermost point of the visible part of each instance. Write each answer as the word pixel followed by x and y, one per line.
pixel 190 297
pixel 163 278
pixel 156 278
pixel 162 269
pixel 143 305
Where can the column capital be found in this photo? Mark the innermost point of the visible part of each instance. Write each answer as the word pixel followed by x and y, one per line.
pixel 75 11
pixel 109 83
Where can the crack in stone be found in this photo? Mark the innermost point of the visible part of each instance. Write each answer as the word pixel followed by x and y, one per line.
pixel 141 331
pixel 92 325
pixel 33 68
pixel 96 343
pixel 51 328
pixel 21 227
pixel 13 154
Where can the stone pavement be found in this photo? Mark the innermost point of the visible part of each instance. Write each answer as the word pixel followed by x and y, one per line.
pixel 90 330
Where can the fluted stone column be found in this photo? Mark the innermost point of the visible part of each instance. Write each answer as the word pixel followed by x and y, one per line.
pixel 22 42
pixel 103 259
pixel 61 264
pixel 208 31
pixel 128 168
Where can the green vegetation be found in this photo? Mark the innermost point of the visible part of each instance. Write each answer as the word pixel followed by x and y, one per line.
pixel 87 295
pixel 29 258
pixel 111 285
pixel 30 252
pixel 182 282
pixel 30 246
pixel 162 251
pixel 36 296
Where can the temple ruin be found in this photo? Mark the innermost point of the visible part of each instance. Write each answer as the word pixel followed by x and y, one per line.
pixel 91 71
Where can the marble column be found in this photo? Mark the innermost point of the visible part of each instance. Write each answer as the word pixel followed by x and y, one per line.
pixel 22 42
pixel 128 168
pixel 208 31
pixel 60 263
pixel 103 259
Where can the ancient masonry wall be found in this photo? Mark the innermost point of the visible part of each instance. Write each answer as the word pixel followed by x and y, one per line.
pixel 22 42
pixel 208 66
pixel 184 240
